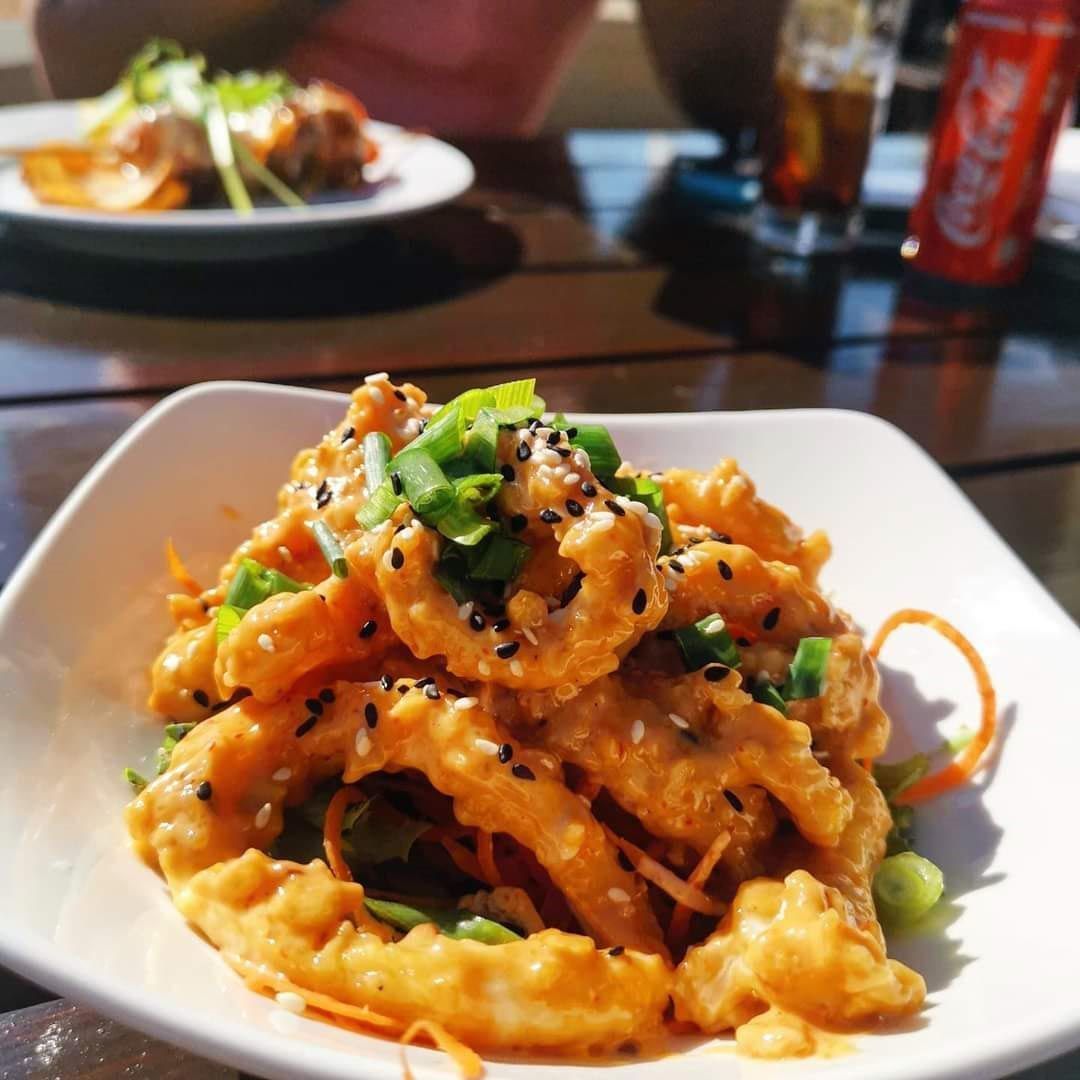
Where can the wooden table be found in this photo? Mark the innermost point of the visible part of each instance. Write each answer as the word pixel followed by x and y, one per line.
pixel 590 262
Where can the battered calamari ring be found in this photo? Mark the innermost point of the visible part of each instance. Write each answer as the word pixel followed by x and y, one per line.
pixel 790 948
pixel 553 991
pixel 725 501
pixel 255 757
pixel 619 598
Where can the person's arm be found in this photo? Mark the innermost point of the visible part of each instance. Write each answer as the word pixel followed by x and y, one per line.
pixel 83 45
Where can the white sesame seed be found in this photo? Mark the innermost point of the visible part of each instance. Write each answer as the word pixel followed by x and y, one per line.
pixel 486 746
pixel 620 896
pixel 266 642
pixel 670 584
pixel 715 627
pixel 379 376
pixel 483 667
pixel 406 533
pixel 546 456
pixel 530 635
pixel 516 669
pixel 651 520
pixel 542 433
pixel 637 731
pixel 348 444
pixel 412 427
pixel 415 523
pixel 463 704
pixel 262 818
pixel 581 459
pixel 362 742
pixel 377 395
pixel 386 559
pixel 290 1002
pixel 283 774
pixel 465 610
pixel 679 721
pixel 285 553
pixel 602 524
pixel 171 662
pixel 571 478
pixel 634 507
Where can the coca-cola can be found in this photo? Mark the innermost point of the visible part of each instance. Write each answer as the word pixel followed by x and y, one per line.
pixel 1012 73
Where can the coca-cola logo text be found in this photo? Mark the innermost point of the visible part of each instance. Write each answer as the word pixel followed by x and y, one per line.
pixel 985 121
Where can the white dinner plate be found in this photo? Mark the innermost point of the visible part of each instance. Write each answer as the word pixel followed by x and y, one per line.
pixel 416 172
pixel 84 614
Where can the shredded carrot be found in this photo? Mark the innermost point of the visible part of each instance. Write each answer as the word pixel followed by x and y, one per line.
pixel 335 815
pixel 681 891
pixel 468 1061
pixel 485 855
pixel 961 769
pixel 463 858
pixel 680 917
pixel 179 571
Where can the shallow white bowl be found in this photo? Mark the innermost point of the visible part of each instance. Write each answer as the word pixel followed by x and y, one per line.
pixel 83 616
pixel 419 172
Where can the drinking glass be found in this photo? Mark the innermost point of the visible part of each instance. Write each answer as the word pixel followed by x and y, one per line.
pixel 835 68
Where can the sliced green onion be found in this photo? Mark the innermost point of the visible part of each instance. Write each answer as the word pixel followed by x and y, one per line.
pixel 269 180
pixel 379 507
pixel 163 757
pixel 452 573
pixel 806 676
pixel 596 441
pixel 763 691
pixel 463 525
pixel 518 392
pixel 956 742
pixel 219 138
pixel 707 642
pixel 645 490
pixel 894 778
pixel 906 887
pixel 500 559
pixel 424 483
pixel 253 583
pixel 898 838
pixel 470 403
pixel 376 458
pixel 330 546
pixel 476 489
pixel 443 439
pixel 177 731
pixel 483 439
pixel 463 925
pixel 228 619
pixel 136 780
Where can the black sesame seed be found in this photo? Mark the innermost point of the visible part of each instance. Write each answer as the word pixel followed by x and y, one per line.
pixel 347 434
pixel 518 522
pixel 397 558
pixel 553 438
pixel 736 802
pixel 716 672
pixel 395 483
pixel 771 619
pixel 725 571
pixel 508 473
pixel 505 649
pixel 399 528
pixel 427 680
pixel 574 508
pixel 523 453
pixel 689 736
pixel 572 589
pixel 400 395
pixel 549 517
pixel 201 698
pixel 639 601
pixel 371 714
pixel 676 566
pixel 720 537
pixel 431 692
pixel 204 791
pixel 534 425
pixel 403 688
pixel 571 432
pixel 588 489
pixel 322 495
pixel 386 682
pixel 423 427
pixel 506 752
pixel 616 950
pixel 523 772
pixel 314 705
pixel 369 628
pixel 306 726
pixel 742 642
pixel 204 605
pixel 615 508
pixel 500 625
pixel 327 696
pixel 476 621
pixel 562 451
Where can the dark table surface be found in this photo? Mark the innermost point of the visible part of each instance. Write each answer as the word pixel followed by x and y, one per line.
pixel 585 260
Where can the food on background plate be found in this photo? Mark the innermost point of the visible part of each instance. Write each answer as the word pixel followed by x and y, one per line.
pixel 168 136
pixel 491 738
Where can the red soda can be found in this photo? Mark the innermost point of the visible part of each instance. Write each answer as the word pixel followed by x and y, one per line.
pixel 1012 73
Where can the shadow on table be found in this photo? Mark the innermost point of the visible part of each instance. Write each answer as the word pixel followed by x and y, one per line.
pixel 428 259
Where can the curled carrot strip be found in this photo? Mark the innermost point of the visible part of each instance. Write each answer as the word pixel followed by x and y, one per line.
pixel 961 769
pixel 179 571
pixel 680 917
pixel 463 858
pixel 335 816
pixel 485 854
pixel 468 1061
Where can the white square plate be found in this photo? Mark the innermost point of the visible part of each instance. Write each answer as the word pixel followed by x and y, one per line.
pixel 83 616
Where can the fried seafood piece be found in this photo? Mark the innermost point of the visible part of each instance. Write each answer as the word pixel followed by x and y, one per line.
pixel 692 758
pixel 552 991
pixel 762 600
pixel 619 597
pixel 789 951
pixel 725 501
pixel 254 758
pixel 182 682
